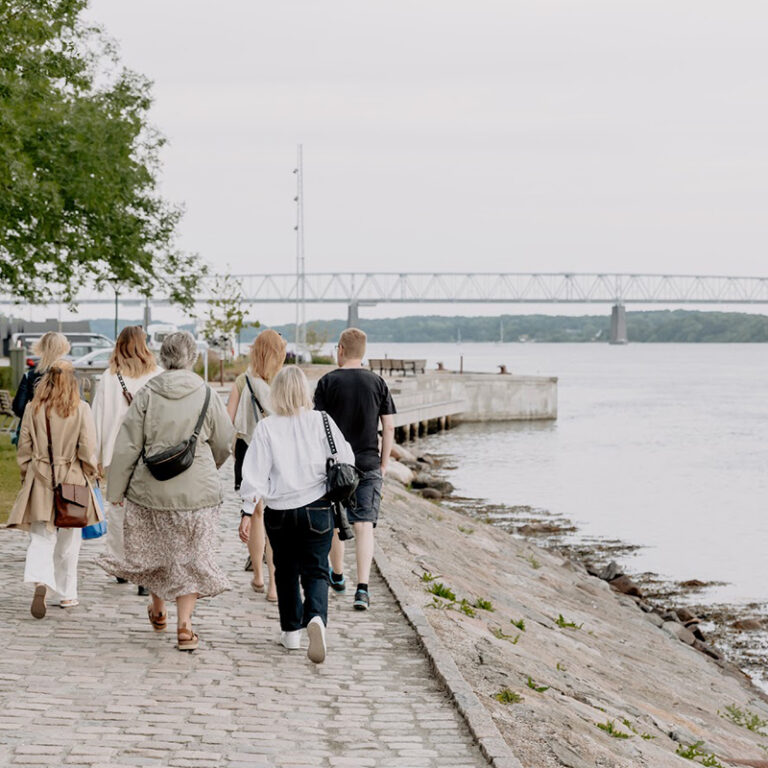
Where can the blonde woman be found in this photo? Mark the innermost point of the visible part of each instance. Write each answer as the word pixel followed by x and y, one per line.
pixel 285 472
pixel 52 554
pixel 131 366
pixel 249 402
pixel 51 346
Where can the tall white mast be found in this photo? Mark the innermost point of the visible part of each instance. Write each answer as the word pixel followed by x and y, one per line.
pixel 300 336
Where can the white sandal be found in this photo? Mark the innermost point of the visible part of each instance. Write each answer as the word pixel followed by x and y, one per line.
pixel 69 603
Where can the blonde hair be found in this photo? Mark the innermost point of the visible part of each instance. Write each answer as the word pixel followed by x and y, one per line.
pixel 131 355
pixel 51 347
pixel 353 340
pixel 58 390
pixel 267 355
pixel 290 391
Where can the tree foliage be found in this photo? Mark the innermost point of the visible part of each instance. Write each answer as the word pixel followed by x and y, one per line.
pixel 78 164
pixel 226 314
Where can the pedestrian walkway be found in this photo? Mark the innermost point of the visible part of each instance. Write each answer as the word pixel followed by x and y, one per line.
pixel 95 686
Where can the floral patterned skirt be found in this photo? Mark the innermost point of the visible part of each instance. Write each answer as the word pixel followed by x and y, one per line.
pixel 170 552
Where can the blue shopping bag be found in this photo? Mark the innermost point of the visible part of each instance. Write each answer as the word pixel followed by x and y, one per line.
pixel 97 530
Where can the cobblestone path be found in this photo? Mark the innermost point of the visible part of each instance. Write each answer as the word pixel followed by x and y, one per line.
pixel 95 686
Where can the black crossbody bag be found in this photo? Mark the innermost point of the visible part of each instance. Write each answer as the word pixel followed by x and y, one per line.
pixel 340 484
pixel 255 402
pixel 173 461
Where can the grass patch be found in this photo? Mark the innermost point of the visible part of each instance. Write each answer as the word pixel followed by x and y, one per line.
pixel 466 530
pixel 484 605
pixel 505 696
pixel 439 589
pixel 692 751
pixel 746 719
pixel 427 577
pixel 537 688
pixel 534 563
pixel 561 667
pixel 466 608
pixel 563 624
pixel 500 635
pixel 610 728
pixel 520 624
pixel 10 480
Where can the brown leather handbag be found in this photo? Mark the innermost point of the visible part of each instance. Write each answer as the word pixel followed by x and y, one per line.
pixel 70 501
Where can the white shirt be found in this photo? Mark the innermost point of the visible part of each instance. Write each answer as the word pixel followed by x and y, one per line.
pixel 109 408
pixel 285 462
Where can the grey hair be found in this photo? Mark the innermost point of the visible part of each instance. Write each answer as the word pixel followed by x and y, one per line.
pixel 289 392
pixel 179 350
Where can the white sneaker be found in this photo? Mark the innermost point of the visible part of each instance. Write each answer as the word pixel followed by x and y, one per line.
pixel 291 640
pixel 316 635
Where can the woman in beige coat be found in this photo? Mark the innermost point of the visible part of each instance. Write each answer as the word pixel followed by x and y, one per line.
pixel 53 552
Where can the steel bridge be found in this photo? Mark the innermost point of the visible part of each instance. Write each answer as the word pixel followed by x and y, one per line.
pixel 357 289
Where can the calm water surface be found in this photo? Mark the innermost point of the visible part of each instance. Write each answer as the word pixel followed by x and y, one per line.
pixel 659 445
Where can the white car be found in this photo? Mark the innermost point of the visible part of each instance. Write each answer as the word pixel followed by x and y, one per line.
pixel 97 360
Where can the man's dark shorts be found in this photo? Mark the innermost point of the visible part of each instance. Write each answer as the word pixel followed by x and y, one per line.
pixel 367 498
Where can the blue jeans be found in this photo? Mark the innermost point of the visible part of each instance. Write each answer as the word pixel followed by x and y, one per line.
pixel 301 540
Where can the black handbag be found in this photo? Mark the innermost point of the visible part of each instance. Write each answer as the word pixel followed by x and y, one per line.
pixel 173 461
pixel 341 483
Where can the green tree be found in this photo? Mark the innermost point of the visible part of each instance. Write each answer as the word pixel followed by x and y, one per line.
pixel 78 165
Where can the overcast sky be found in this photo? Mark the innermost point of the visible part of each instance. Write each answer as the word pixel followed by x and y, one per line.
pixel 443 135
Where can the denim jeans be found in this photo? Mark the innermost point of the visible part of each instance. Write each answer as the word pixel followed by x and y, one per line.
pixel 301 540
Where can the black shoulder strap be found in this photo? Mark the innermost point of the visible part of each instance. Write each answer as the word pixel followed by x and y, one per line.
pixel 254 399
pixel 200 419
pixel 328 433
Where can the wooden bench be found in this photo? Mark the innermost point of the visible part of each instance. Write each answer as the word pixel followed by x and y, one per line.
pixel 393 365
pixel 8 419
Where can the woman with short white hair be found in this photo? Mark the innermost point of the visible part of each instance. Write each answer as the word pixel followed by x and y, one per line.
pixel 170 526
pixel 285 471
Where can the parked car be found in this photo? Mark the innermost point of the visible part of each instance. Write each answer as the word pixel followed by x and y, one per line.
pixel 96 360
pixel 82 344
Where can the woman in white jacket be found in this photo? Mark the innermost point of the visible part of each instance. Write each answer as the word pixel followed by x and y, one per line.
pixel 284 472
pixel 131 366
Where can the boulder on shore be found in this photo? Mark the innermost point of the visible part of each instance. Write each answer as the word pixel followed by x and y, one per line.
pixel 626 586
pixel 399 472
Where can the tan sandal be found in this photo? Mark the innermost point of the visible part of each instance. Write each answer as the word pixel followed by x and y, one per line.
pixel 187 640
pixel 38 602
pixel 159 622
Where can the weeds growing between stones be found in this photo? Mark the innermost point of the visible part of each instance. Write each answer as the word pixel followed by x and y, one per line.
pixel 500 635
pixel 610 728
pixel 520 624
pixel 563 624
pixel 466 608
pixel 427 577
pixel 484 605
pixel 439 589
pixel 692 751
pixel 537 688
pixel 746 719
pixel 506 696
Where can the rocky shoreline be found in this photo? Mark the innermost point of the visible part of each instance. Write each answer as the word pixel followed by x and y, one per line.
pixel 571 671
pixel 736 636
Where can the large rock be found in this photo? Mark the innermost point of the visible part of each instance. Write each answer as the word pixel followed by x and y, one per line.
pixel 398 472
pixel 430 481
pixel 747 625
pixel 626 586
pixel 677 630
pixel 400 453
pixel 611 571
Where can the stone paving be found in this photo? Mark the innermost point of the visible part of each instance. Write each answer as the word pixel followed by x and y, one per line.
pixel 95 686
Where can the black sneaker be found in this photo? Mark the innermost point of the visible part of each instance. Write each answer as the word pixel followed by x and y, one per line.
pixel 339 587
pixel 362 601
pixel 248 564
pixel 143 591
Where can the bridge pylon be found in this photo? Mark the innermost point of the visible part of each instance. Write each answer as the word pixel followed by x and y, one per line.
pixel 619 325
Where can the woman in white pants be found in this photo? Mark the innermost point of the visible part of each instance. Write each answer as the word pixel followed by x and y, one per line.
pixel 131 366
pixel 52 555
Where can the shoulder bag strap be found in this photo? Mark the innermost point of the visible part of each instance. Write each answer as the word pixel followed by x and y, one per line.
pixel 328 433
pixel 200 419
pixel 126 394
pixel 50 449
pixel 255 400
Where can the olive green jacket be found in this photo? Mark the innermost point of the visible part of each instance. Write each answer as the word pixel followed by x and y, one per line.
pixel 164 413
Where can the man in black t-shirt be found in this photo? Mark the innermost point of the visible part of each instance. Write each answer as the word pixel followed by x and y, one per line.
pixel 357 400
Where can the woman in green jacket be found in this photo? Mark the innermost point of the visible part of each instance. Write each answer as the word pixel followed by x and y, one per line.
pixel 171 525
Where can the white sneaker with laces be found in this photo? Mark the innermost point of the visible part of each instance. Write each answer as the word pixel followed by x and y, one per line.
pixel 291 640
pixel 316 635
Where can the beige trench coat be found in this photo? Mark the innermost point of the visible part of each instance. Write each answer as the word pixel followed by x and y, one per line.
pixel 74 444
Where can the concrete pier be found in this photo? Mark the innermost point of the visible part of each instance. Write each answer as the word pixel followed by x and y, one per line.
pixel 619 325
pixel 434 401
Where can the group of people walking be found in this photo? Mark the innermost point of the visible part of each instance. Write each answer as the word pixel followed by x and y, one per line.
pixel 162 524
